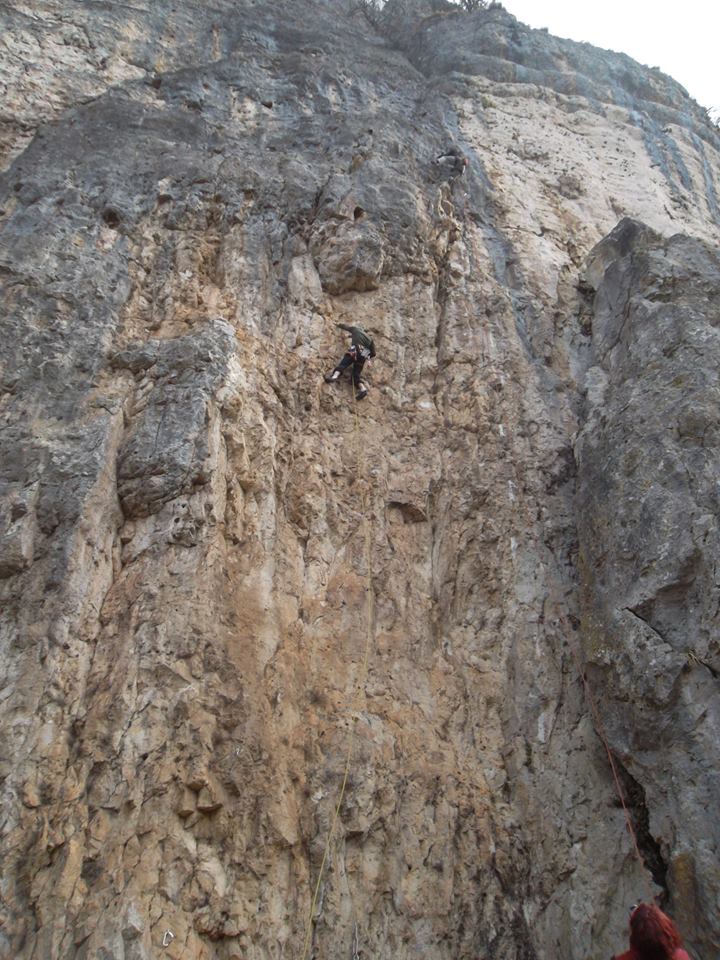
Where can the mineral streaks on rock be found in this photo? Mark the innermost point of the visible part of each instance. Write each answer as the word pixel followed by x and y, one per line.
pixel 648 525
pixel 192 200
pixel 588 110
pixel 166 452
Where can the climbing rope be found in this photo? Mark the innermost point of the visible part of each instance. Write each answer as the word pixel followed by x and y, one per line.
pixel 600 730
pixel 359 693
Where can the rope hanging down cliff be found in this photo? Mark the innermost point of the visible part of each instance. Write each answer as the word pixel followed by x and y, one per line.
pixel 600 730
pixel 360 685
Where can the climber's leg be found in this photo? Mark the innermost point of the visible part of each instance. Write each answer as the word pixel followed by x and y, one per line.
pixel 339 369
pixel 361 389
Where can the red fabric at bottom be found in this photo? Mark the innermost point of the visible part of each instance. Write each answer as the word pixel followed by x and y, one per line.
pixel 632 954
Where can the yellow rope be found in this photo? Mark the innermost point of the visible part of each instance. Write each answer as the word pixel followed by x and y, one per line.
pixel 359 688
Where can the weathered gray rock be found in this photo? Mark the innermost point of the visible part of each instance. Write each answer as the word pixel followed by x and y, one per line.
pixel 167 451
pixel 648 526
pixel 191 200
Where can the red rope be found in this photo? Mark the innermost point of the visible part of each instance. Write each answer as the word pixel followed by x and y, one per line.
pixel 600 730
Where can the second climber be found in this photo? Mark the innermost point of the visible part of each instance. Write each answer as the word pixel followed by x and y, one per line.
pixel 361 348
pixel 453 161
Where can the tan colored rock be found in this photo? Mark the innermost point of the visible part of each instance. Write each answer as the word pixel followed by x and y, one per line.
pixel 224 585
pixel 30 795
pixel 187 803
pixel 207 801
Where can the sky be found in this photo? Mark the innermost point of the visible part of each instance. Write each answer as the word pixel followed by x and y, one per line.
pixel 679 38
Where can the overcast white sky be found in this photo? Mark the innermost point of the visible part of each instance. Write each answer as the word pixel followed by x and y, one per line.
pixel 682 38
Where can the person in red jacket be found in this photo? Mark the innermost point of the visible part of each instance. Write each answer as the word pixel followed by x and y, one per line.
pixel 653 936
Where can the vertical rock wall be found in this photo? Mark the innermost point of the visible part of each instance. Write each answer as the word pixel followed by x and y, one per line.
pixel 198 535
pixel 648 508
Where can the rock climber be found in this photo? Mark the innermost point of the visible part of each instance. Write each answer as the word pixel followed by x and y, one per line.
pixel 453 161
pixel 653 936
pixel 361 349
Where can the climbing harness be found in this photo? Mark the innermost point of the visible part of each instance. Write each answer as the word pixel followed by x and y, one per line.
pixel 356 352
pixel 359 692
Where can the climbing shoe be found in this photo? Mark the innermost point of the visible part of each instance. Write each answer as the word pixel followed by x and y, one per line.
pixel 362 393
pixel 331 377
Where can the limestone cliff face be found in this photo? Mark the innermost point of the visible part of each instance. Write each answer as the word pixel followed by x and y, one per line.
pixel 648 524
pixel 200 540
